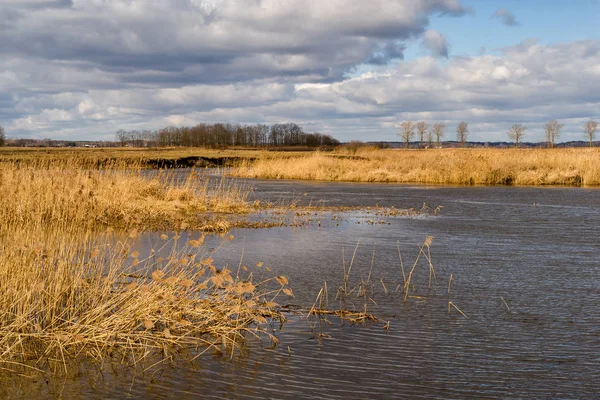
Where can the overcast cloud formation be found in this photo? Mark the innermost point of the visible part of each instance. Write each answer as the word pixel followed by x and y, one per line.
pixel 83 69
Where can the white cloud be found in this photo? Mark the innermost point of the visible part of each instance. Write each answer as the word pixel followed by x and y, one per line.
pixel 87 68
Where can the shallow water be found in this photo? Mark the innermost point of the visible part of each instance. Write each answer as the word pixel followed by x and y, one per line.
pixel 534 248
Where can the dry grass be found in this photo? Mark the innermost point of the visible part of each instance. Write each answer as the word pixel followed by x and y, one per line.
pixel 437 166
pixel 64 299
pixel 70 288
pixel 70 198
pixel 127 156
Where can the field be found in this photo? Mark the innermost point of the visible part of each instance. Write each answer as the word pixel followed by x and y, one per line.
pixel 577 167
pixel 527 167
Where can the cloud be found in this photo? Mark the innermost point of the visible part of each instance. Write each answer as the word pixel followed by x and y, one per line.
pixel 528 83
pixel 387 53
pixel 84 69
pixel 436 43
pixel 223 39
pixel 506 17
pixel 55 49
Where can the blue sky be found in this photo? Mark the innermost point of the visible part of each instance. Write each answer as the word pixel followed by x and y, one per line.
pixel 548 21
pixel 83 69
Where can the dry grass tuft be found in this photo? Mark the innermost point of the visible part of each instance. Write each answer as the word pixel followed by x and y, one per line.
pixel 94 298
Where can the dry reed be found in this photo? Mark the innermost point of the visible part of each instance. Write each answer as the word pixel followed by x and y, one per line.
pixel 72 289
pixel 71 198
pixel 94 297
pixel 438 166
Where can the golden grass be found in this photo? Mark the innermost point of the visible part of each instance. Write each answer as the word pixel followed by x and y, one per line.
pixel 127 156
pixel 70 198
pixel 437 166
pixel 70 288
pixel 64 299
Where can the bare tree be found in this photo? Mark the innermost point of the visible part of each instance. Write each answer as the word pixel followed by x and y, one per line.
pixel 430 137
pixel 407 131
pixel 121 136
pixel 552 129
pixel 438 132
pixel 516 133
pixel 590 129
pixel 462 132
pixel 2 136
pixel 421 131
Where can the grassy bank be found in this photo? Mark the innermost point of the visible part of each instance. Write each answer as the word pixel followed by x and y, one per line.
pixel 69 198
pixel 437 166
pixel 136 157
pixel 73 288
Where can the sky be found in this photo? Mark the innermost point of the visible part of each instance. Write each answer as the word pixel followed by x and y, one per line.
pixel 354 69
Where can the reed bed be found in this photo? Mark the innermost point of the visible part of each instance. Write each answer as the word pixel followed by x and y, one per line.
pixel 73 288
pixel 129 157
pixel 576 167
pixel 71 198
pixel 95 298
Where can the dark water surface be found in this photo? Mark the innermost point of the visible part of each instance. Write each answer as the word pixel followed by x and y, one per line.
pixel 537 249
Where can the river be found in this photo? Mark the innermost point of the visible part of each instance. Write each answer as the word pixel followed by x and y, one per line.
pixel 525 272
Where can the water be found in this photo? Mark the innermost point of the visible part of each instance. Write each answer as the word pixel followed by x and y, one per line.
pixel 534 248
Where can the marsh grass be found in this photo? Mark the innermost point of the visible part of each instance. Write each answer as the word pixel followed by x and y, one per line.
pixel 357 296
pixel 575 167
pixel 128 157
pixel 71 198
pixel 73 288
pixel 93 297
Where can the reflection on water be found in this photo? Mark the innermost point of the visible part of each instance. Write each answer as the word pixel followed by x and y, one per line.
pixel 534 248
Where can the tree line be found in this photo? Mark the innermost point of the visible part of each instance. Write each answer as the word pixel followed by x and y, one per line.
pixel 226 135
pixel 428 134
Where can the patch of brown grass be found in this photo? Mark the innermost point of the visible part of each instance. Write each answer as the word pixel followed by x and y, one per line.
pixel 437 166
pixel 71 198
pixel 92 297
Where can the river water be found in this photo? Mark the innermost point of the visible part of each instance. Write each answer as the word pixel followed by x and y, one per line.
pixel 525 270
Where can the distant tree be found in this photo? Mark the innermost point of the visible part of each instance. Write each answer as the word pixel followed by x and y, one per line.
pixel 430 137
pixel 2 136
pixel 590 129
pixel 438 132
pixel 407 131
pixel 552 129
pixel 121 136
pixel 462 132
pixel 422 131
pixel 516 133
pixel 353 146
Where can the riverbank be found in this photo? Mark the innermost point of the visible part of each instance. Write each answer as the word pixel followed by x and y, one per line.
pixel 72 287
pixel 527 167
pixel 149 158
